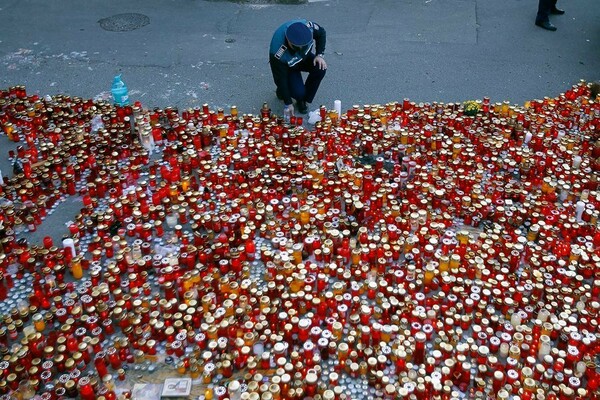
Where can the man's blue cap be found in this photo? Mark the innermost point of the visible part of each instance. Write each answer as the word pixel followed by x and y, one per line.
pixel 298 34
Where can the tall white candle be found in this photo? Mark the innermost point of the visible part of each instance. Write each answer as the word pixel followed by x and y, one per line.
pixel 171 220
pixel 580 368
pixel 544 348
pixel 234 390
pixel 579 209
pixel 68 242
pixel 337 106
pixel 504 349
pixel 515 319
pixel 543 315
pixel 258 348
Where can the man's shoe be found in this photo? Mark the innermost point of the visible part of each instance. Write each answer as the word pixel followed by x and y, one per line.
pixel 278 94
pixel 557 11
pixel 546 25
pixel 302 107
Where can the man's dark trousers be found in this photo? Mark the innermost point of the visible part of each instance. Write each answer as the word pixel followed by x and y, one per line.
pixel 305 91
pixel 544 9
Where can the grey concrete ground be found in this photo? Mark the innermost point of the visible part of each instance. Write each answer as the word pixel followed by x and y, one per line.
pixel 192 52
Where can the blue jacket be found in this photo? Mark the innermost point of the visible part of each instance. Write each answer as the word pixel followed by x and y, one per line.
pixel 282 58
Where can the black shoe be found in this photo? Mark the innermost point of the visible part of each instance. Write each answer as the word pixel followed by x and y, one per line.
pixel 278 94
pixel 546 25
pixel 557 11
pixel 302 107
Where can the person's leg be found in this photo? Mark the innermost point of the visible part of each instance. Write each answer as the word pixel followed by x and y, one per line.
pixel 542 19
pixel 280 78
pixel 312 83
pixel 296 82
pixel 544 7
pixel 315 76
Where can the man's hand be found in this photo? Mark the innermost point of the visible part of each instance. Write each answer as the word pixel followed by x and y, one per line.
pixel 289 107
pixel 320 62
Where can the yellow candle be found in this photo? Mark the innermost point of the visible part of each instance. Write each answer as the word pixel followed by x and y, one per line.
pixel 185 183
pixel 297 282
pixel 305 214
pixel 505 106
pixel 463 237
pixel 533 232
pixel 454 261
pixel 181 368
pixel 38 322
pixel 358 179
pixel 206 302
pixel 76 269
pixel 429 274
pixel 297 252
pixel 343 351
pixel 337 333
pixel 9 129
pixel 356 256
pixel 173 192
pixel 444 263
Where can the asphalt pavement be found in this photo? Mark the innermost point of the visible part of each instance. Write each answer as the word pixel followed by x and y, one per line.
pixel 186 53
pixel 189 52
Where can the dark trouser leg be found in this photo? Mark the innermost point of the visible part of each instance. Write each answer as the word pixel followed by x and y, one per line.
pixel 296 83
pixel 315 76
pixel 544 7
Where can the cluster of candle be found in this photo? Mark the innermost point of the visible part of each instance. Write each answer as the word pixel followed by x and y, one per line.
pixel 392 251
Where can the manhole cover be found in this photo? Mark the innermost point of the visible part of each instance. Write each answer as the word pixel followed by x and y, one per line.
pixel 124 22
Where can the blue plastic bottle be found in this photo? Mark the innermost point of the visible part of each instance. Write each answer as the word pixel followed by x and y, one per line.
pixel 119 91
